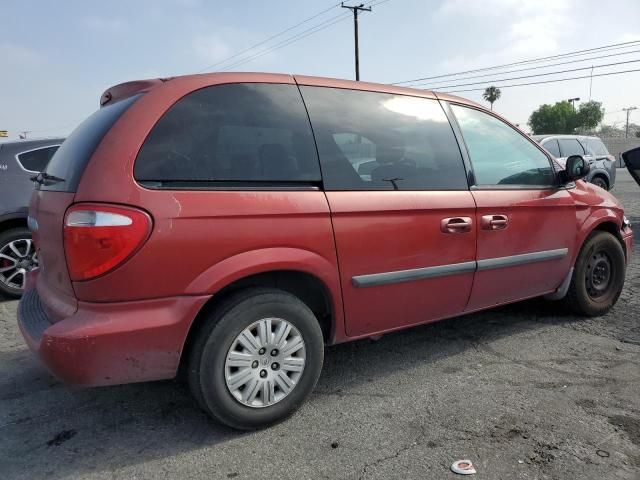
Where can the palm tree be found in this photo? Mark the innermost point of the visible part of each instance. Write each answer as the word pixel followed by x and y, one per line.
pixel 491 94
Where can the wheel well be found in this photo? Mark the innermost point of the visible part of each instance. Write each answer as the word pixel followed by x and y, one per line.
pixel 308 288
pixel 613 229
pixel 13 223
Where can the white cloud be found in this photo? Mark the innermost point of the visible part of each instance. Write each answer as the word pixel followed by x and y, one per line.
pixel 520 28
pixel 211 48
pixel 12 53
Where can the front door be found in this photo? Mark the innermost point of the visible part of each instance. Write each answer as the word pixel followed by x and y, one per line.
pixel 402 213
pixel 526 222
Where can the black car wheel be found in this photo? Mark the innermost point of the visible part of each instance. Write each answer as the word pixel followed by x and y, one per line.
pixel 600 181
pixel 598 276
pixel 257 358
pixel 17 257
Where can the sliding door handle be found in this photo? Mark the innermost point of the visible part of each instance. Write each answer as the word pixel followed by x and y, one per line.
pixel 456 225
pixel 494 222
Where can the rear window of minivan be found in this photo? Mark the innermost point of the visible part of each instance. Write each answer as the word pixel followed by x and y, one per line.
pixel 70 160
pixel 247 134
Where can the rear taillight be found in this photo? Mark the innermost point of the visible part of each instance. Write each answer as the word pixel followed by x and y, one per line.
pixel 98 238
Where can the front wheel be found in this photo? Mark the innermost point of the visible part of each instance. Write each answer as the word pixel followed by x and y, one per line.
pixel 257 359
pixel 598 276
pixel 600 181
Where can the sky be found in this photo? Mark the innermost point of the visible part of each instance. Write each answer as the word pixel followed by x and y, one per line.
pixel 58 57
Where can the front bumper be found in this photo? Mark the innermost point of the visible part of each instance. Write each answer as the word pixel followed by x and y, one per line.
pixel 110 343
pixel 627 239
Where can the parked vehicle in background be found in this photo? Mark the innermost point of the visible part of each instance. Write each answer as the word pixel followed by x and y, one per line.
pixel 632 162
pixel 603 164
pixel 229 226
pixel 19 161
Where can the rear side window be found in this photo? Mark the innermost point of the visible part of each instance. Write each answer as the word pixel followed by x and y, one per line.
pixel 38 159
pixel 501 155
pixel 552 147
pixel 570 146
pixel 596 146
pixel 72 157
pixel 232 133
pixel 379 141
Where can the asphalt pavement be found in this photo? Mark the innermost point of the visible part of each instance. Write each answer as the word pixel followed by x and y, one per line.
pixel 524 392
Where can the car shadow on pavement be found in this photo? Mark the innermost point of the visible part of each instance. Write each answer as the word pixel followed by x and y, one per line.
pixel 49 429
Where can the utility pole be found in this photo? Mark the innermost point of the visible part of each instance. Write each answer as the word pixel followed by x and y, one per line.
pixel 628 110
pixel 355 10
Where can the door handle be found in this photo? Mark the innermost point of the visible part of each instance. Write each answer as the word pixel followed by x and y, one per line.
pixel 456 224
pixel 494 222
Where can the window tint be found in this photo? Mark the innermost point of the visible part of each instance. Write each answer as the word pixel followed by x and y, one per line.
pixel 37 160
pixel 499 154
pixel 239 132
pixel 552 147
pixel 570 146
pixel 377 141
pixel 73 155
pixel 596 146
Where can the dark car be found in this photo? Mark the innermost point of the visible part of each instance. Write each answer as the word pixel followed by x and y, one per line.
pixel 223 226
pixel 602 164
pixel 19 162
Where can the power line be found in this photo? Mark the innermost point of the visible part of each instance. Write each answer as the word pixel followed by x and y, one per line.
pixel 528 68
pixel 545 81
pixel 300 35
pixel 270 38
pixel 614 46
pixel 290 40
pixel 537 74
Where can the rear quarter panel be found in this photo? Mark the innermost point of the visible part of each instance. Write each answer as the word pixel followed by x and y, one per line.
pixel 202 240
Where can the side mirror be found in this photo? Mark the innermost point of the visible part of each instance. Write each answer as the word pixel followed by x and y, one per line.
pixel 632 162
pixel 576 168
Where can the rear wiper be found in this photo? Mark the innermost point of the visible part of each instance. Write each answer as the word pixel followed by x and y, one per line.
pixel 43 178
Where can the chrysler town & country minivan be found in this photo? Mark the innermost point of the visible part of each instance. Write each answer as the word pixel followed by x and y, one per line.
pixel 229 226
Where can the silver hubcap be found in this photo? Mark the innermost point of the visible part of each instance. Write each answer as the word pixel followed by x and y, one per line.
pixel 265 362
pixel 16 259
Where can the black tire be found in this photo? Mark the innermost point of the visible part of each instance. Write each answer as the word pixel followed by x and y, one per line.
pixel 600 181
pixel 7 237
pixel 587 295
pixel 206 363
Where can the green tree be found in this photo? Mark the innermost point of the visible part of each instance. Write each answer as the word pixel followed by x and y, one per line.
pixel 589 115
pixel 610 131
pixel 491 94
pixel 558 118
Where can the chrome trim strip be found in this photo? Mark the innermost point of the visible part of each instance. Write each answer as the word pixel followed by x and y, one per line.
pixel 523 259
pixel 376 279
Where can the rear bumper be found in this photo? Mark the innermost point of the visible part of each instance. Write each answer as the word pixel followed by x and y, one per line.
pixel 110 343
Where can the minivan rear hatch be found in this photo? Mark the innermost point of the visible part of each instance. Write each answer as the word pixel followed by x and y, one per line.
pixel 55 192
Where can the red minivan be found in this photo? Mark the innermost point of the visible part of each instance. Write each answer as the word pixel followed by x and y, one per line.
pixel 229 226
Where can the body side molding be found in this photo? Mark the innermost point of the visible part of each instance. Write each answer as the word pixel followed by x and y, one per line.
pixel 385 278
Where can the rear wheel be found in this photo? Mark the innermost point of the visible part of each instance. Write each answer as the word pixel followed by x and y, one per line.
pixel 257 359
pixel 598 276
pixel 601 182
pixel 17 257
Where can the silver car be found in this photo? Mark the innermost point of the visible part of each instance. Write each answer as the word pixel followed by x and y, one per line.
pixel 603 164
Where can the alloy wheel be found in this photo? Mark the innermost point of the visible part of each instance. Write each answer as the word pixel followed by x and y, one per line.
pixel 17 257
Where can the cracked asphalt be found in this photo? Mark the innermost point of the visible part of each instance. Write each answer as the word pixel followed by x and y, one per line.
pixel 525 392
